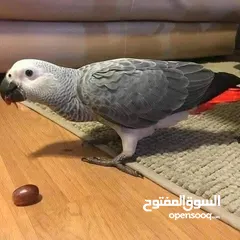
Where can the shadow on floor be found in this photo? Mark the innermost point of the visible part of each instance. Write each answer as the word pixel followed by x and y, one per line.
pixel 164 141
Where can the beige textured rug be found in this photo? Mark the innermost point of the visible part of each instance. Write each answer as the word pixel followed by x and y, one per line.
pixel 200 157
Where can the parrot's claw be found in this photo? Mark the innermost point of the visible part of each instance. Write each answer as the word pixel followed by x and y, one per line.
pixel 116 162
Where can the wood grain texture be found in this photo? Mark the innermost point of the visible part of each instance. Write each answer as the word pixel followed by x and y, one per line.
pixel 80 201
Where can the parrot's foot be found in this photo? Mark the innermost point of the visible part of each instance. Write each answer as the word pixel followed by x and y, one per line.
pixel 118 162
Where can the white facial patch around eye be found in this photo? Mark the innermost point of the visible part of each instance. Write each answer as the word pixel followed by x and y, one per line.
pixel 29 73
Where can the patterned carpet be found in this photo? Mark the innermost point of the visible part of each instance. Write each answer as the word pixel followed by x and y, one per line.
pixel 200 157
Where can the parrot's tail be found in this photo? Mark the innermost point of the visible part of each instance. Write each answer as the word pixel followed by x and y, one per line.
pixel 230 79
pixel 225 88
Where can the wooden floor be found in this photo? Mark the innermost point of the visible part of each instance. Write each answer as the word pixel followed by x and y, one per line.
pixel 80 201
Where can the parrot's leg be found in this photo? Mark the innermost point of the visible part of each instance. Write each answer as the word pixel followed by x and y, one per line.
pixel 129 143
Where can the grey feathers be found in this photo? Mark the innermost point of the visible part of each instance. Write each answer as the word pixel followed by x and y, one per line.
pixel 137 93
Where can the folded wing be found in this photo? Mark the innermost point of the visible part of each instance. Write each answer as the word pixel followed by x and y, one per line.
pixel 137 93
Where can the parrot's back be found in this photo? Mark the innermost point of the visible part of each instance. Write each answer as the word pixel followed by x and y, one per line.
pixel 138 93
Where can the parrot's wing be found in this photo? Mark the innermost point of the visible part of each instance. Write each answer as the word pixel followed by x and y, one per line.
pixel 138 93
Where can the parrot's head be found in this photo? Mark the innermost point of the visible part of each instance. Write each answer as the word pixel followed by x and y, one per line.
pixel 34 80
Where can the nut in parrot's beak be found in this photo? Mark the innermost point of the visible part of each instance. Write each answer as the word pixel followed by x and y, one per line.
pixel 10 92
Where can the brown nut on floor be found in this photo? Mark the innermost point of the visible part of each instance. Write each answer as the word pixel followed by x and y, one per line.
pixel 26 195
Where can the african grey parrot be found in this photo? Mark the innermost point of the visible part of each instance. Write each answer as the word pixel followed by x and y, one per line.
pixel 135 97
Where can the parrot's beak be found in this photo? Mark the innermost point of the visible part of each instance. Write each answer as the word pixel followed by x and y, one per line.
pixel 10 92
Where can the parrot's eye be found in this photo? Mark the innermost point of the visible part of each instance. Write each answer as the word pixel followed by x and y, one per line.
pixel 29 73
pixel 9 75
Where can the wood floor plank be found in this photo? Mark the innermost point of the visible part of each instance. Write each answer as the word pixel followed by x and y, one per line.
pixel 80 201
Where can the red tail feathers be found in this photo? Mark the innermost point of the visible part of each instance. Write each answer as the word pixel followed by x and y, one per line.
pixel 231 95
